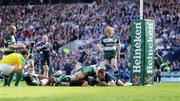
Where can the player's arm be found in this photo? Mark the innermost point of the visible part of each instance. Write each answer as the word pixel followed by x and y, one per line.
pixel 161 59
pixel 118 48
pixel 97 70
pixel 52 50
pixel 16 47
pixel 31 65
pixel 2 50
pixel 111 83
pixel 102 83
pixel 118 45
pixel 85 83
pixel 38 48
pixel 42 77
pixel 54 53
pixel 101 45
pixel 11 46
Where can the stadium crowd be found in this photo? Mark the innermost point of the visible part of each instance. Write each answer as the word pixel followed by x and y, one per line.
pixel 64 23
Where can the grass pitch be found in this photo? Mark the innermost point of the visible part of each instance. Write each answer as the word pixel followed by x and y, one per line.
pixel 158 92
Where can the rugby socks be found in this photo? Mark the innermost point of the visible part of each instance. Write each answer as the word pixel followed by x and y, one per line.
pixel 5 80
pixel 18 78
pixel 10 79
pixel 83 56
pixel 64 79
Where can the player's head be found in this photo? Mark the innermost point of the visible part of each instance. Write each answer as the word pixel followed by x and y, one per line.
pixel 109 31
pixel 12 29
pixel 101 74
pixel 45 38
pixel 25 53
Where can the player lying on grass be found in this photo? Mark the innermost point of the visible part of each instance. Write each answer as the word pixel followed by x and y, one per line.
pixel 101 77
pixel 82 73
pixel 105 79
pixel 14 64
pixel 32 79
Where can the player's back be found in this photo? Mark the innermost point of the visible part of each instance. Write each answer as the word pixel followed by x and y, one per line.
pixel 14 59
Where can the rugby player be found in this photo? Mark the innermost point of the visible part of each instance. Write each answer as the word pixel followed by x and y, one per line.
pixel 14 64
pixel 10 45
pixel 83 73
pixel 110 45
pixel 105 79
pixel 45 49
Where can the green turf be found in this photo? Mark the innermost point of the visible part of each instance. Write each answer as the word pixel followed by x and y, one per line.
pixel 158 92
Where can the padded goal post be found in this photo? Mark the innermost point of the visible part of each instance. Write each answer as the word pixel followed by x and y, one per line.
pixel 142 51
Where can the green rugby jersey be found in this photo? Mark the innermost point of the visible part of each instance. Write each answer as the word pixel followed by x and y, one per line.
pixel 110 45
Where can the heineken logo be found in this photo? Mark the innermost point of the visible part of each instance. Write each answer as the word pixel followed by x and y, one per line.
pixel 142 51
pixel 137 48
pixel 150 46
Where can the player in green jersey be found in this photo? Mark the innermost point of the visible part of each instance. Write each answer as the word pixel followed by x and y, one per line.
pixel 110 45
pixel 82 73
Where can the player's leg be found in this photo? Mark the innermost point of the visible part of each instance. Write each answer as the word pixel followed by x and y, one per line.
pixel 19 73
pixel 106 61
pixel 5 76
pixel 44 82
pixel 10 79
pixel 46 67
pixel 159 74
pixel 8 70
pixel 81 60
pixel 120 83
pixel 83 56
pixel 31 64
pixel 18 78
pixel 115 68
pixel 75 77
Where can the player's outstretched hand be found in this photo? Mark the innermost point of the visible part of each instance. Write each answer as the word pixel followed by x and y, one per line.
pixel 17 47
pixel 1 51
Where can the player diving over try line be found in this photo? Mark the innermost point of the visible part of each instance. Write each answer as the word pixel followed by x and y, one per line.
pixel 84 73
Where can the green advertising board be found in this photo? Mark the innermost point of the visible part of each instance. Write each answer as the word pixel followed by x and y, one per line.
pixel 142 51
pixel 149 51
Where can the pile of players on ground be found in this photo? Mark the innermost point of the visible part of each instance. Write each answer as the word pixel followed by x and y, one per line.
pixel 92 75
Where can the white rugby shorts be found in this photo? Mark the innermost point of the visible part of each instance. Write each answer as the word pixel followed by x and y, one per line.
pixel 6 68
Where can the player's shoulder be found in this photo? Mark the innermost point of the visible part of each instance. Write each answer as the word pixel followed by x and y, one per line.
pixel 7 36
pixel 13 55
pixel 103 36
pixel 108 74
pixel 116 36
pixel 39 43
